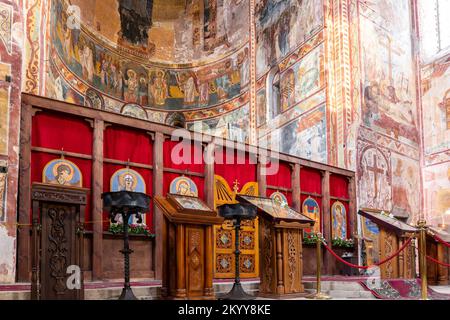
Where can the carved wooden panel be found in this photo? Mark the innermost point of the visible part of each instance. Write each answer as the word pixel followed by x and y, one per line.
pixel 267 242
pixel 292 254
pixel 58 250
pixel 195 260
pixel 388 246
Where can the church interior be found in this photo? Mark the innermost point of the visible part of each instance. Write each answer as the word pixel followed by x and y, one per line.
pixel 197 149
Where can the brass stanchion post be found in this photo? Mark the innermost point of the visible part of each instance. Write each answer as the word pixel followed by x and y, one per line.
pixel 422 257
pixel 319 295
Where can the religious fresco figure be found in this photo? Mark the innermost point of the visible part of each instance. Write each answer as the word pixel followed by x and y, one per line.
pixel 311 209
pixel 159 89
pixel 62 172
pixel 135 20
pixel 87 63
pixel 338 221
pixel 287 88
pixel 187 85
pixel 183 186
pixel 127 179
pixel 131 82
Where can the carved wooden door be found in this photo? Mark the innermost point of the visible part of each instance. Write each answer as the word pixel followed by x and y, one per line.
pixel 58 250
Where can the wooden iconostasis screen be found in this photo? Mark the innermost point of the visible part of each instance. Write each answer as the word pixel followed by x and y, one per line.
pixel 127 156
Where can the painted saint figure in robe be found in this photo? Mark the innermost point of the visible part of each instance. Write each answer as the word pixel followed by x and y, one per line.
pixel 183 186
pixel 287 89
pixel 311 209
pixel 339 220
pixel 127 180
pixel 62 172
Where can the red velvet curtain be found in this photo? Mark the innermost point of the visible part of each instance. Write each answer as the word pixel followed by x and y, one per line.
pixel 61 131
pixel 339 186
pixel 121 143
pixel 243 168
pixel 282 179
pixel 199 167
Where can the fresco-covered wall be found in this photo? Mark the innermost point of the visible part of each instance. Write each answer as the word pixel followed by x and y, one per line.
pixel 10 87
pixel 388 143
pixel 435 92
pixel 202 72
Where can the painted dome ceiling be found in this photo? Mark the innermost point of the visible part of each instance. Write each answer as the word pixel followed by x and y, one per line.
pixel 168 31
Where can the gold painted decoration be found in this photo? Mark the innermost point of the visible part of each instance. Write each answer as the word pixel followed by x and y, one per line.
pixel 224 235
pixel 311 209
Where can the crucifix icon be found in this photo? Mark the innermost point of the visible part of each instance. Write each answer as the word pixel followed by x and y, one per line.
pixel 376 171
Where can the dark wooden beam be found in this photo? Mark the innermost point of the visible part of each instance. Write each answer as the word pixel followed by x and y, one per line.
pixel 185 172
pixel 24 238
pixel 126 163
pixel 209 174
pixel 326 217
pixel 97 204
pixel 158 218
pixel 261 177
pixel 62 153
pixel 296 191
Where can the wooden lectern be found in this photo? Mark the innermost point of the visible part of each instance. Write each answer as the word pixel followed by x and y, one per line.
pixel 187 247
pixel 392 234
pixel 437 274
pixel 280 236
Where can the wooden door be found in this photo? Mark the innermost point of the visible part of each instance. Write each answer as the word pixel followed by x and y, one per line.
pixel 58 250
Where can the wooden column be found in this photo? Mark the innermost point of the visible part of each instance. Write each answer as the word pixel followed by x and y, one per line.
pixel 209 291
pixel 261 177
pixel 280 282
pixel 442 272
pixel 181 265
pixel 209 174
pixel 326 218
pixel 296 191
pixel 24 239
pixel 352 205
pixel 158 218
pixel 97 203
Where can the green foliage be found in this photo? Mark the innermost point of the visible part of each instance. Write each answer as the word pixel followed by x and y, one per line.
pixel 311 238
pixel 342 243
pixel 139 229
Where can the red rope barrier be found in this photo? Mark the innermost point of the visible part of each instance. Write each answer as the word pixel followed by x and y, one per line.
pixel 367 267
pixel 438 262
pixel 438 239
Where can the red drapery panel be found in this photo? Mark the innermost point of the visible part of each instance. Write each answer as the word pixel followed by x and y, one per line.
pixel 282 179
pixel 339 186
pixel 125 144
pixel 195 150
pixel 40 159
pixel 310 180
pixel 242 169
pixel 147 175
pixel 60 131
